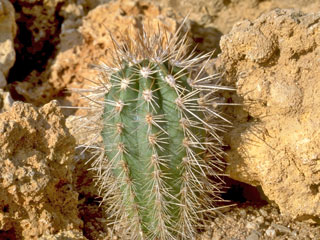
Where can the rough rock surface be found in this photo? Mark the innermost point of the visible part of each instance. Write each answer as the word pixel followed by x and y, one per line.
pixel 39 24
pixel 36 159
pixel 8 30
pixel 223 14
pixel 89 43
pixel 273 61
pixel 6 101
pixel 51 64
pixel 209 20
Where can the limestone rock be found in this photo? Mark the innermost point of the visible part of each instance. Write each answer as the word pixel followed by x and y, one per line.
pixel 274 63
pixel 36 158
pixel 8 30
pixel 39 24
pixel 89 44
pixel 222 14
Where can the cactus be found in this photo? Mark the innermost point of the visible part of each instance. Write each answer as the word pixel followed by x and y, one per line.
pixel 158 166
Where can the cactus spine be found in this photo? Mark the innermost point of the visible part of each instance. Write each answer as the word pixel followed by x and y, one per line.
pixel 160 141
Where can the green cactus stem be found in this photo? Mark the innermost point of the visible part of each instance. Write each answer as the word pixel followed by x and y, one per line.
pixel 160 137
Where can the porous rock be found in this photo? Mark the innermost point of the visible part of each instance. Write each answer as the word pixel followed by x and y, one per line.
pixel 222 14
pixel 274 64
pixel 8 30
pixel 39 24
pixel 88 44
pixel 36 159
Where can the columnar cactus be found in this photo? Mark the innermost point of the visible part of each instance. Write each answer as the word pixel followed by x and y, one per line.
pixel 159 166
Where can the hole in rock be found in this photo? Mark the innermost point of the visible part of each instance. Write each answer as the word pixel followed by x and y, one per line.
pixel 5 208
pixel 205 39
pixel 314 188
pixel 239 192
pixel 226 2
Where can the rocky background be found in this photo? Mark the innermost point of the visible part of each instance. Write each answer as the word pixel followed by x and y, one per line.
pixel 268 50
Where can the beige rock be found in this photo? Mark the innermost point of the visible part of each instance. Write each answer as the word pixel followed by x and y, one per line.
pixel 209 20
pixel 41 21
pixel 222 14
pixel 39 29
pixel 36 159
pixel 8 30
pixel 64 235
pixel 70 66
pixel 89 44
pixel 274 62
pixel 6 101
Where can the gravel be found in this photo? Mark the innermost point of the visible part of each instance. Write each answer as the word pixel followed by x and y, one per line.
pixel 259 223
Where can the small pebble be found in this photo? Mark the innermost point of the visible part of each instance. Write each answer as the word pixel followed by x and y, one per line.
pixel 263 212
pixel 281 228
pixel 274 211
pixel 271 233
pixel 243 213
pixel 259 220
pixel 205 19
pixel 251 225
pixel 253 236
